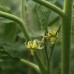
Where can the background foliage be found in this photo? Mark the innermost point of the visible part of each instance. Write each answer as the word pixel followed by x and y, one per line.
pixel 12 47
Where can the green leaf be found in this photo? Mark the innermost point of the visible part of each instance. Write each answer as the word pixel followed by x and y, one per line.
pixel 43 15
pixel 10 32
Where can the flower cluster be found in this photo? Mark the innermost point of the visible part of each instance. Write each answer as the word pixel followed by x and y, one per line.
pixel 36 44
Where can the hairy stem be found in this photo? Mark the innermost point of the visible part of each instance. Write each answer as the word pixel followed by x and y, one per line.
pixel 34 66
pixel 66 37
pixel 17 20
pixel 50 6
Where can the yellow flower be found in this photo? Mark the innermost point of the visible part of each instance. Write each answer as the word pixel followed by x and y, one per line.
pixel 52 35
pixel 33 45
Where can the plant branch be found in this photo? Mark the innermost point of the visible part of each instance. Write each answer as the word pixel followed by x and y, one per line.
pixel 17 20
pixel 51 6
pixel 34 66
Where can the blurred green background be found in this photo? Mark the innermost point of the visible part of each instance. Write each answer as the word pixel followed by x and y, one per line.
pixel 36 18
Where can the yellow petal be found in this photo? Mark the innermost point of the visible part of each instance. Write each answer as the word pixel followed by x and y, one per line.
pixel 49 34
pixel 34 44
pixel 53 40
pixel 28 45
pixel 53 33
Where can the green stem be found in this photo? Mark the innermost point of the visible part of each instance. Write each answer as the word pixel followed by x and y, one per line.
pixel 34 66
pixel 46 52
pixel 22 9
pixel 40 63
pixel 51 6
pixel 50 56
pixel 66 37
pixel 19 21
